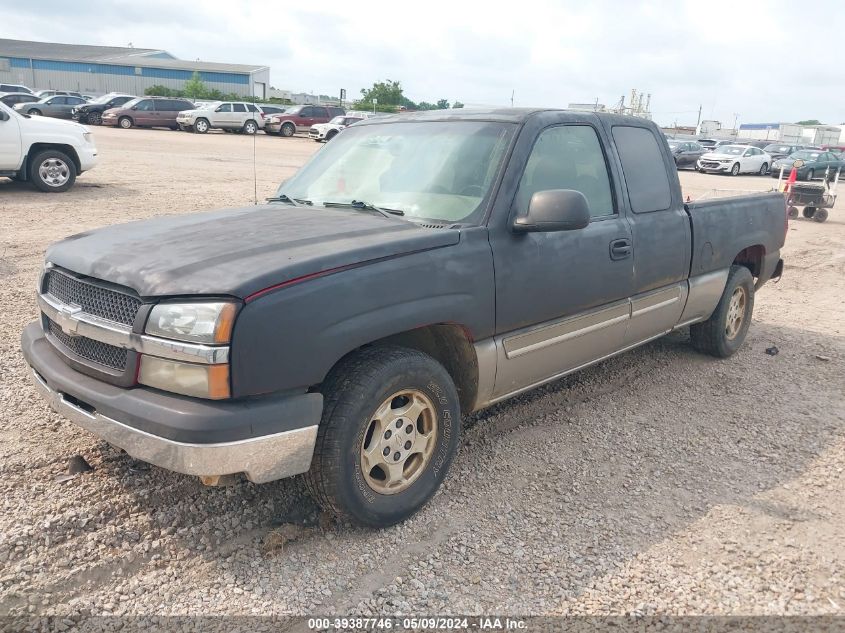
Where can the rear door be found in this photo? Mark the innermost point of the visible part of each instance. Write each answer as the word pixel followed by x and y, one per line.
pixel 239 115
pixel 660 229
pixel 561 297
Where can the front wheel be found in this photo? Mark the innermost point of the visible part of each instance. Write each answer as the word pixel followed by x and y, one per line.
pixel 792 212
pixel 125 122
pixel 735 170
pixel 35 112
pixel 288 129
pixel 52 171
pixel 95 118
pixel 764 169
pixel 724 332
pixel 201 126
pixel 391 426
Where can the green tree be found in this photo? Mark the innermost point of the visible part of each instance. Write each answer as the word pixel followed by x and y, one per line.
pixel 457 105
pixel 809 122
pixel 195 88
pixel 442 104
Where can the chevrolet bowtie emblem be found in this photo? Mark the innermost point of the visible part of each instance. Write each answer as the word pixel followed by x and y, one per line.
pixel 67 319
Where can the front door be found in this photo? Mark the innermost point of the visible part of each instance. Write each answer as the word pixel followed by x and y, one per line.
pixel 10 140
pixel 562 297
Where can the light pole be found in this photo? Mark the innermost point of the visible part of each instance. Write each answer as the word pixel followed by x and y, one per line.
pixel 736 130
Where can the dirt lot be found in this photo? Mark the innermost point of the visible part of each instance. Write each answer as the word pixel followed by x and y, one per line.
pixel 660 481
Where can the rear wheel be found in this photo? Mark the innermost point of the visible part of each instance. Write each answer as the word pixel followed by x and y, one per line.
pixel 390 429
pixel 201 126
pixel 735 170
pixel 808 212
pixel 52 171
pixel 820 215
pixel 250 127
pixel 724 332
pixel 125 122
pixel 764 169
pixel 792 212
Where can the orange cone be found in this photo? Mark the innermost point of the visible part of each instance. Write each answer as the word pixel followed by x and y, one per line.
pixel 793 176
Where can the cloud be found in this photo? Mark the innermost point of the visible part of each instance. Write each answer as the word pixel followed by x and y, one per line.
pixel 727 57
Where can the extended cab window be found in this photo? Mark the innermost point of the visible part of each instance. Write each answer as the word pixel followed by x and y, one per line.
pixel 645 172
pixel 568 157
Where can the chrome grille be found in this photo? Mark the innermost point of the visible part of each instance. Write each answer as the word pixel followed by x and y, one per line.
pixel 93 299
pixel 89 349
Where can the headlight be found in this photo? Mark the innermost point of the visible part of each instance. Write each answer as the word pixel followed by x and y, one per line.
pixel 726 160
pixel 209 323
pixel 201 381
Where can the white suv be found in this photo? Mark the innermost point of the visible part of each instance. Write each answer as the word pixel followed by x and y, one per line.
pixel 230 116
pixel 50 153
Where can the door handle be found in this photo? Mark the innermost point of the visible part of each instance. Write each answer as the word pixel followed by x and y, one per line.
pixel 620 249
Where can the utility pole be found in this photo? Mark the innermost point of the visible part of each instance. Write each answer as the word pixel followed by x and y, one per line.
pixel 736 131
pixel 697 123
pixel 512 93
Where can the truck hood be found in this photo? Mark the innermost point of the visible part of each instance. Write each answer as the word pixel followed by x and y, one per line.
pixel 44 124
pixel 239 252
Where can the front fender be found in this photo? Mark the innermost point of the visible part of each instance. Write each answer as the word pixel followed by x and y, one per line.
pixel 291 338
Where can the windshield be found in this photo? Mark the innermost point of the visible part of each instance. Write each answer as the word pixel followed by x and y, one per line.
pixel 103 99
pixel 208 106
pixel 338 120
pixel 805 155
pixel 777 149
pixel 437 171
pixel 673 144
pixel 732 150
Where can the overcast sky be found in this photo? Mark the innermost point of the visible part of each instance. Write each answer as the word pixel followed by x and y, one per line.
pixel 740 57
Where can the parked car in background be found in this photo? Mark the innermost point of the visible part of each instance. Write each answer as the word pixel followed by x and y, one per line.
pixel 51 93
pixel 147 112
pixel 709 144
pixel 301 118
pixel 92 112
pixel 58 106
pixel 686 153
pixel 235 116
pixel 758 144
pixel 15 88
pixel 46 152
pixel 11 99
pixel 815 163
pixel 327 131
pixel 781 150
pixel 735 160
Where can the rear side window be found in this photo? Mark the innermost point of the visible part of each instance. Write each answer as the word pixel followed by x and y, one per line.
pixel 644 169
pixel 322 113
pixel 251 107
pixel 239 107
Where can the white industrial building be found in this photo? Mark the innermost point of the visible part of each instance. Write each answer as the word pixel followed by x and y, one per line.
pixel 101 69
pixel 790 133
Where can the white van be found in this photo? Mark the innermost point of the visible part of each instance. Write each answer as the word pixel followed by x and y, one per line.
pixel 49 153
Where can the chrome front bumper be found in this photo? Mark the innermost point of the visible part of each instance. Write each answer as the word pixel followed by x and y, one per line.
pixel 262 459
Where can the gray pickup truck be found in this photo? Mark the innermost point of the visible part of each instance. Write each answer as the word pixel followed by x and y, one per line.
pixel 418 268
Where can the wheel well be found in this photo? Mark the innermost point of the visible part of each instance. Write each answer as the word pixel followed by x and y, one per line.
pixel 35 148
pixel 451 346
pixel 751 258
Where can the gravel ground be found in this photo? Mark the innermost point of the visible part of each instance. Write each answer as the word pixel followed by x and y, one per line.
pixel 661 481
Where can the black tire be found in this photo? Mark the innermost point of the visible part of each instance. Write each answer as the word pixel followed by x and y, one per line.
pixel 353 391
pixel 735 169
pixel 287 129
pixel 95 118
pixel 201 126
pixel 764 169
pixel 810 175
pixel 42 180
pixel 820 215
pixel 711 336
pixel 808 212
pixel 792 212
pixel 331 134
pixel 250 127
pixel 125 122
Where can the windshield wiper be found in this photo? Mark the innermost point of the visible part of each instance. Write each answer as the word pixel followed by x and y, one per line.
pixel 357 204
pixel 286 198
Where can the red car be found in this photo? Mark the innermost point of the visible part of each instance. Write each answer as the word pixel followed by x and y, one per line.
pixel 300 119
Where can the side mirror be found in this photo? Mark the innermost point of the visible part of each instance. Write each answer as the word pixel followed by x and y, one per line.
pixel 798 163
pixel 4 116
pixel 554 210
